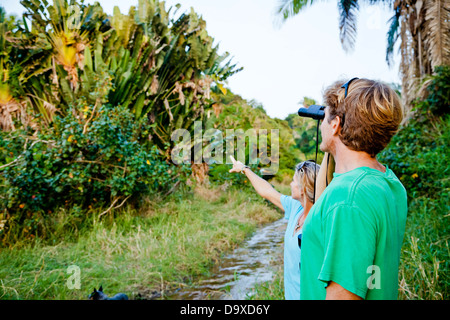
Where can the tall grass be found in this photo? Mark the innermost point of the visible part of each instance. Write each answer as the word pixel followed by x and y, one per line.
pixel 156 249
pixel 422 163
pixel 424 265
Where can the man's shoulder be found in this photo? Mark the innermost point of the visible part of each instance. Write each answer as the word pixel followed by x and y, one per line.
pixel 364 176
pixel 362 185
pixel 344 185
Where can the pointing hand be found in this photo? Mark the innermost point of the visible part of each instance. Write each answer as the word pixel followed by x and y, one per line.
pixel 237 165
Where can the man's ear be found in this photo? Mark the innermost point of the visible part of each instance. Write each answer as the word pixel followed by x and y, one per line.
pixel 336 125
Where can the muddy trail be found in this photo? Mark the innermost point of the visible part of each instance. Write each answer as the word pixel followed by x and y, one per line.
pixel 239 271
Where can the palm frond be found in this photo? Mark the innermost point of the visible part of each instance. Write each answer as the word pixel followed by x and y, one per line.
pixel 348 10
pixel 437 32
pixel 289 8
pixel 392 35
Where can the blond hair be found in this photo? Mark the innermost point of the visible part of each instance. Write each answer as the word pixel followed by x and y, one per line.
pixel 305 172
pixel 371 114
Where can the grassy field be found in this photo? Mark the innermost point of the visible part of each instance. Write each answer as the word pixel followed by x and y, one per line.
pixel 147 252
pixel 166 244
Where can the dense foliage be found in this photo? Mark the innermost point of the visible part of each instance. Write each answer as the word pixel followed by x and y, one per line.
pixel 304 130
pixel 415 154
pixel 419 155
pixel 88 103
pixel 162 65
pixel 78 164
pixel 66 166
pixel 233 112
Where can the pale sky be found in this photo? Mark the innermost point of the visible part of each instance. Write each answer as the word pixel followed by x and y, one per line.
pixel 284 64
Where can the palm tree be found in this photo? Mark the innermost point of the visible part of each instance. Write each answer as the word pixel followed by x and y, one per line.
pixel 424 30
pixel 422 25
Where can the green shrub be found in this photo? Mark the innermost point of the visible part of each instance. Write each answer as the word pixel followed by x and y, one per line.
pixel 77 162
pixel 438 99
pixel 419 156
pixel 419 153
pixel 219 174
pixel 285 175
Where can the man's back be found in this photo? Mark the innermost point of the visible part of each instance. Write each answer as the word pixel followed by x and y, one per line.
pixel 353 236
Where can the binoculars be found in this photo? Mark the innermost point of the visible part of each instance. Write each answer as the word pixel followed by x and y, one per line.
pixel 318 112
pixel 314 111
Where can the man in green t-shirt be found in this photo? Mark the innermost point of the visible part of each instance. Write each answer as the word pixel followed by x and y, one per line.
pixel 353 235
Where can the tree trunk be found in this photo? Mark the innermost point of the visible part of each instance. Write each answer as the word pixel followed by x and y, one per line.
pixel 200 172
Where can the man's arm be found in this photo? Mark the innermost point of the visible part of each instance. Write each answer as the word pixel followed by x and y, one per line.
pixel 337 292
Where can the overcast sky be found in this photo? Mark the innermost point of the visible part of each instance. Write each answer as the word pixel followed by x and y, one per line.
pixel 284 64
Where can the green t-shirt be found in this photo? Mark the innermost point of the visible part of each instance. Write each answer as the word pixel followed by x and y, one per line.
pixel 353 236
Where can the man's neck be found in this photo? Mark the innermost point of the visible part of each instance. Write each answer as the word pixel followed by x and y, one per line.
pixel 347 160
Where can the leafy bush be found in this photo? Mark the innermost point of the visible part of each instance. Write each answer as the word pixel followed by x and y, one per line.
pixel 438 98
pixel 162 66
pixel 219 174
pixel 80 163
pixel 419 156
pixel 419 153
pixel 233 112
